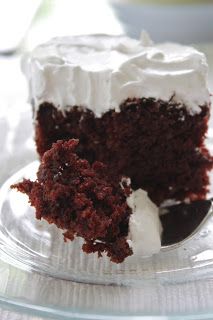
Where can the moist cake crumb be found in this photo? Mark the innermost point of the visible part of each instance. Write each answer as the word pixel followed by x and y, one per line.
pixel 81 199
pixel 145 141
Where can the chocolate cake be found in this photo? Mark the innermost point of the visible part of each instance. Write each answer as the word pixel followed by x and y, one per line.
pixel 87 201
pixel 147 140
pixel 82 199
pixel 140 109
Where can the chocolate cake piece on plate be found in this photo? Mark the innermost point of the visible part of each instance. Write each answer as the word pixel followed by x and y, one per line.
pixel 140 114
pixel 87 201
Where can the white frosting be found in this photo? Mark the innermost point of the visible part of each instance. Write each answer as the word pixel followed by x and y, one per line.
pixel 99 72
pixel 144 225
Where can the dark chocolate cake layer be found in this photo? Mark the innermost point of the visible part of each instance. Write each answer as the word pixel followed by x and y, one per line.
pixel 159 145
pixel 81 199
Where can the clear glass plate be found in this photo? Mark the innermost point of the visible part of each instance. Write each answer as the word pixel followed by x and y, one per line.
pixel 41 255
pixel 37 246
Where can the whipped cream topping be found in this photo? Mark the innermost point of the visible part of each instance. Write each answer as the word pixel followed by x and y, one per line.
pixel 99 72
pixel 144 224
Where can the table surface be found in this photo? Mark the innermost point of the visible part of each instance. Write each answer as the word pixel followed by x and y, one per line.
pixel 10 315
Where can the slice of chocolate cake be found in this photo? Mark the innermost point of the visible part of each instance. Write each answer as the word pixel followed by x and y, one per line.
pixel 87 201
pixel 140 108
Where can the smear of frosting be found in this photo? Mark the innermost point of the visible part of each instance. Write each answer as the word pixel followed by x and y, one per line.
pixel 144 224
pixel 99 72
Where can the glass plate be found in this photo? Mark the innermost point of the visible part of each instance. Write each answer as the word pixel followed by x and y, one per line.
pixel 38 250
pixel 37 246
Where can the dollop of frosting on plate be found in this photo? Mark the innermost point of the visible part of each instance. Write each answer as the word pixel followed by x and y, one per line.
pixel 99 72
pixel 145 227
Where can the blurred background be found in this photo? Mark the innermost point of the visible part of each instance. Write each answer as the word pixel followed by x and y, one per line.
pixel 28 22
pixel 185 21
